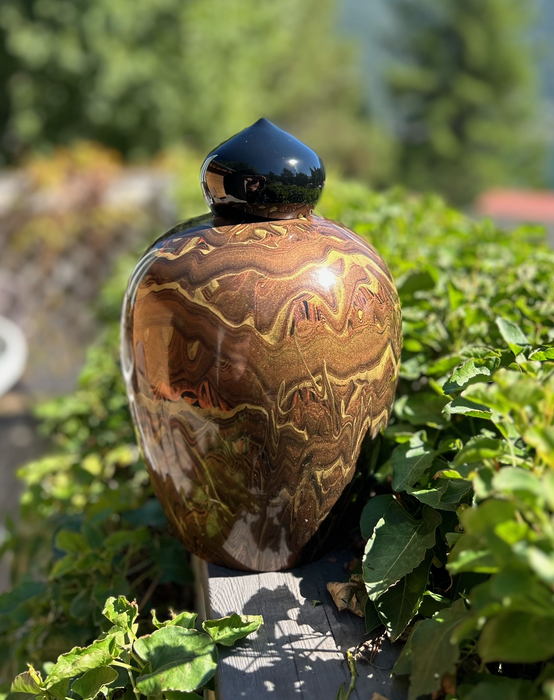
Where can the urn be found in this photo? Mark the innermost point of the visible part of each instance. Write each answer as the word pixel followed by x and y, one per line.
pixel 260 343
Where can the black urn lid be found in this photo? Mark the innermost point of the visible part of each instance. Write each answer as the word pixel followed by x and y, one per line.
pixel 262 172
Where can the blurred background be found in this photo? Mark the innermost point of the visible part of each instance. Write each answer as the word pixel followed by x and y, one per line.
pixel 108 107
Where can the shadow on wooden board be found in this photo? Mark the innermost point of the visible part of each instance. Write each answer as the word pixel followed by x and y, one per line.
pixel 300 651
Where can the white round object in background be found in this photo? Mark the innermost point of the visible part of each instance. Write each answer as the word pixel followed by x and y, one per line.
pixel 13 354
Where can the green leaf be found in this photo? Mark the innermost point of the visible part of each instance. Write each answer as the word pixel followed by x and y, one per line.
pixel 415 282
pixel 410 461
pixel 512 334
pixel 184 619
pixel 371 617
pixel 498 688
pixel 398 606
pixel 82 605
pixel 177 658
pixel 474 370
pixel 514 479
pixel 373 512
pixel 125 538
pixel 13 601
pixel 445 495
pixel 176 695
pixel 422 408
pixel 487 541
pixel 71 542
pixel 65 565
pixel 403 665
pixel 398 544
pixel 432 652
pixel 228 630
pixel 480 448
pixel 120 612
pixel 92 682
pixel 456 297
pixel 465 407
pixel 28 682
pixel 467 555
pixel 81 659
pixel 517 637
pixel 543 354
pixel 171 558
pixel 542 439
pixel 487 516
pixel 541 563
pixel 60 689
pixel 443 364
pixel 432 603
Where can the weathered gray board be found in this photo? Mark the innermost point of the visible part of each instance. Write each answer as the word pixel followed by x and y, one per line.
pixel 300 651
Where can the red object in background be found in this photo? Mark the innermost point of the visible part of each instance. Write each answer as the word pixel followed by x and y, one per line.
pixel 517 205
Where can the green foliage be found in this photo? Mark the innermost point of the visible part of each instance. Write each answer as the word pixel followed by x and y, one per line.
pixel 462 531
pixel 170 71
pixel 172 659
pixel 460 535
pixel 88 527
pixel 227 630
pixel 463 88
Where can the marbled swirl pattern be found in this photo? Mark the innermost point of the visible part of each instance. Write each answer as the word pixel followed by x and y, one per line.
pixel 256 357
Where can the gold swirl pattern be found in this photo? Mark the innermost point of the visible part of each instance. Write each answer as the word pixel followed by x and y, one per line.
pixel 256 358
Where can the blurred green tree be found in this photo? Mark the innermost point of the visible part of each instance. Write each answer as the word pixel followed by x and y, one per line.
pixel 464 91
pixel 143 77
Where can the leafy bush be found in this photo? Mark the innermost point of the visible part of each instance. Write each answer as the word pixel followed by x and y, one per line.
pixel 89 527
pixel 461 533
pixel 176 659
pixel 460 543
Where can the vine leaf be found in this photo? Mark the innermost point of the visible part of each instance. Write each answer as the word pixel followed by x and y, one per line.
pixel 410 461
pixel 81 659
pixel 501 638
pixel 512 334
pixel 228 630
pixel 184 619
pixel 178 659
pixel 398 606
pixel 29 682
pixel 398 544
pixel 430 653
pixel 374 510
pixel 120 612
pixel 475 370
pixel 92 682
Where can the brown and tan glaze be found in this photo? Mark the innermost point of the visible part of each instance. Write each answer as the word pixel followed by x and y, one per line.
pixel 257 356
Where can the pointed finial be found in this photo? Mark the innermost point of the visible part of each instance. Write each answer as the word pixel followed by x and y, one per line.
pixel 262 172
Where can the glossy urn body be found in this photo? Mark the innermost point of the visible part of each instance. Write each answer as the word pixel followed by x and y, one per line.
pixel 257 354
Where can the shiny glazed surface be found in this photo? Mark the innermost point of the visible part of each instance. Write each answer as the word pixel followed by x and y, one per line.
pixel 256 357
pixel 262 172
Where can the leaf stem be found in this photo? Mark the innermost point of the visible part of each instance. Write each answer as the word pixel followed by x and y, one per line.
pixel 127 666
pixel 352 667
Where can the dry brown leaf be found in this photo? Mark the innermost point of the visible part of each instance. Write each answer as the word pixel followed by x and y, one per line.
pixel 342 593
pixel 350 595
pixel 378 696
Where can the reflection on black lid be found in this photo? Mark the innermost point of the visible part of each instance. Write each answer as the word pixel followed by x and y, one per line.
pixel 262 172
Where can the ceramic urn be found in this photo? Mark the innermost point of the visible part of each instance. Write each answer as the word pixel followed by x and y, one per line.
pixel 260 343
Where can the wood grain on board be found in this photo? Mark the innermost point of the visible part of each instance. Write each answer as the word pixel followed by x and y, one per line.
pixel 301 649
